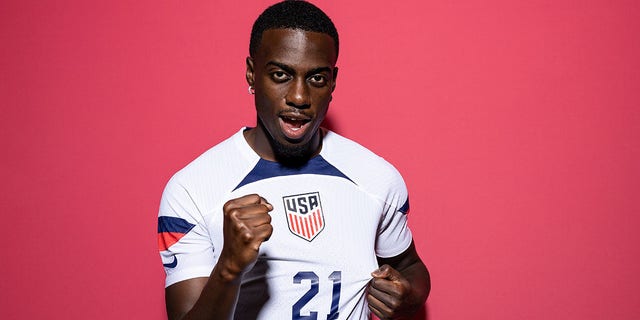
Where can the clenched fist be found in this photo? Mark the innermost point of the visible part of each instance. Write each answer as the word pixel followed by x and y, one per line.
pixel 247 224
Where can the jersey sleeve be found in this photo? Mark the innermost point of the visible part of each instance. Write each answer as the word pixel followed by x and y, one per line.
pixel 185 247
pixel 394 235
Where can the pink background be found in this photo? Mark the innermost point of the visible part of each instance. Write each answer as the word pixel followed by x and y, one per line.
pixel 516 125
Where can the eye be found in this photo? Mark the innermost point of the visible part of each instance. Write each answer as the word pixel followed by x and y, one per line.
pixel 279 76
pixel 318 80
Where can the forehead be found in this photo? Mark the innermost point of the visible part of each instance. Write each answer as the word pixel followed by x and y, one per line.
pixel 295 46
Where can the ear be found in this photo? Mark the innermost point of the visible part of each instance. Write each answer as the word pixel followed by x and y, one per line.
pixel 250 74
pixel 335 76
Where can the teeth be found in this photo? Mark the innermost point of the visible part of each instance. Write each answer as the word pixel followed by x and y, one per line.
pixel 292 118
pixel 294 124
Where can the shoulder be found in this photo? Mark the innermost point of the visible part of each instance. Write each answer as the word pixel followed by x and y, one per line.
pixel 360 164
pixel 215 171
pixel 220 159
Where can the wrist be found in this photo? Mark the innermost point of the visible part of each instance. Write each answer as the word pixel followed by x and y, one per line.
pixel 227 271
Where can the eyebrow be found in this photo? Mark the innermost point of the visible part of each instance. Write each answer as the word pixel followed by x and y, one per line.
pixel 290 70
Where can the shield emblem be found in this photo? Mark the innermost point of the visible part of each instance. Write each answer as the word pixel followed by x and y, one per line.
pixel 304 215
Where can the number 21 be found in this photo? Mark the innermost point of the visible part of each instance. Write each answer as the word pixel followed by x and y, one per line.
pixel 335 276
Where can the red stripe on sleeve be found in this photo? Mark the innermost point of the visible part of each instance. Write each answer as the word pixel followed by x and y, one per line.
pixel 167 239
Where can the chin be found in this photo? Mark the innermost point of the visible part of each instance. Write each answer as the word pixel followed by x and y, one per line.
pixel 291 155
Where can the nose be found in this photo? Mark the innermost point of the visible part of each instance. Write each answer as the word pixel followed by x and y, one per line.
pixel 298 94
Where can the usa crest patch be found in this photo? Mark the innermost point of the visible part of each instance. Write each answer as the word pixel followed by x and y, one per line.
pixel 304 215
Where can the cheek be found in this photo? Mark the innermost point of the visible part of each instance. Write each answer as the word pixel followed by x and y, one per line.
pixel 265 101
pixel 270 96
pixel 322 100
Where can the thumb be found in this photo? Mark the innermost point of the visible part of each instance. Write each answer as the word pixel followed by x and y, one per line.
pixel 383 272
pixel 266 203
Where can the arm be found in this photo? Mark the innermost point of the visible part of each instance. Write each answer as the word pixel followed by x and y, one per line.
pixel 246 225
pixel 399 287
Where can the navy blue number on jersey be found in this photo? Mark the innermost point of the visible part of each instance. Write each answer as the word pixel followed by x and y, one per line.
pixel 335 277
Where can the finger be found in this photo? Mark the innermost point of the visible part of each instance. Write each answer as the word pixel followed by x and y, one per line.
pixel 251 230
pixel 393 288
pixel 263 232
pixel 266 203
pixel 376 312
pixel 249 211
pixel 252 211
pixel 249 234
pixel 378 307
pixel 244 201
pixel 385 301
pixel 387 272
pixel 256 212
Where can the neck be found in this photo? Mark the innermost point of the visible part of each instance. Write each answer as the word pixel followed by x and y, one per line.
pixel 267 148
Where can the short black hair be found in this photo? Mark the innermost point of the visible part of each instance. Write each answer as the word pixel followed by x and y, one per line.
pixel 292 14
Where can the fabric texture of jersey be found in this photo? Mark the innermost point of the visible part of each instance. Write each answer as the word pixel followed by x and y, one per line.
pixel 331 218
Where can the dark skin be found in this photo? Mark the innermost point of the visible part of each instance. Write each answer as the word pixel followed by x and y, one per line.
pixel 294 74
pixel 399 287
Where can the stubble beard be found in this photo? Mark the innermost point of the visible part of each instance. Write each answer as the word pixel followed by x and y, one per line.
pixel 289 155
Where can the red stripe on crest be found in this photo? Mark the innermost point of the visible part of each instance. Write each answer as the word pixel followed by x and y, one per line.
pixel 299 226
pixel 315 220
pixel 312 232
pixel 313 228
pixel 306 224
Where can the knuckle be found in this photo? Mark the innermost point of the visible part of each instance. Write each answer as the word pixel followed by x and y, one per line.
pixel 247 237
pixel 230 204
pixel 230 210
pixel 239 227
pixel 227 206
pixel 232 213
pixel 394 304
pixel 370 299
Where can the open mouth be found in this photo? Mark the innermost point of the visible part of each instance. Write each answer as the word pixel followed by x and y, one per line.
pixel 294 126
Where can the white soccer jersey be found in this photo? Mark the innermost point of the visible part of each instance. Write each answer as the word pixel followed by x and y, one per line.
pixel 331 218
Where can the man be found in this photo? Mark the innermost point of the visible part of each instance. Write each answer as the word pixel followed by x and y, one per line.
pixel 287 219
